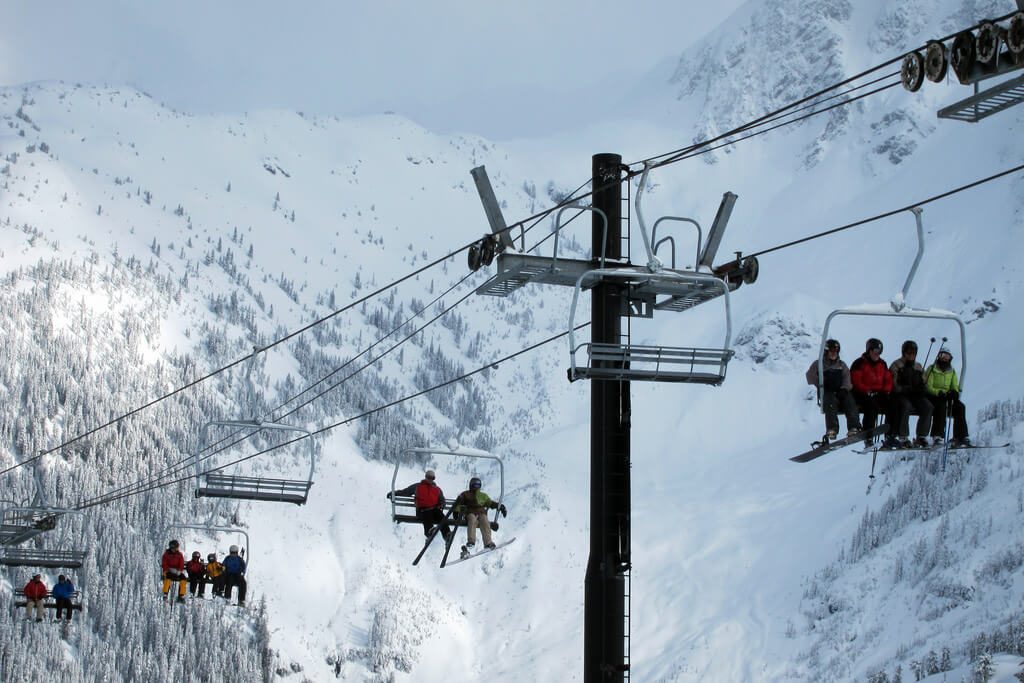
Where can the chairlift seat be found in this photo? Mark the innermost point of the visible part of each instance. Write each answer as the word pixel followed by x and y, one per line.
pixel 254 488
pixel 40 557
pixel 409 503
pixel 653 363
pixel 51 602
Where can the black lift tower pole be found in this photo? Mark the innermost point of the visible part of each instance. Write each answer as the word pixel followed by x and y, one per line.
pixel 605 585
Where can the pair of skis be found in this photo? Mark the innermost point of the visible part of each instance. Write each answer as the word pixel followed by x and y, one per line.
pixel 448 546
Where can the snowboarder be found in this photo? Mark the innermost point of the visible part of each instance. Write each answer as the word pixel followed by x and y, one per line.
pixel 196 575
pixel 908 393
pixel 474 503
pixel 835 391
pixel 215 572
pixel 234 575
pixel 35 596
pixel 429 499
pixel 872 389
pixel 62 593
pixel 172 566
pixel 944 393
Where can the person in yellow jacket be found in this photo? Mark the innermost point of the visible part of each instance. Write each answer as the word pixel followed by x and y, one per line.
pixel 944 392
pixel 473 504
pixel 215 572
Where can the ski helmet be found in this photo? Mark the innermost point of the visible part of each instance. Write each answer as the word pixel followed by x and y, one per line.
pixel 212 557
pixel 909 346
pixel 873 344
pixel 233 549
pixel 429 474
pixel 832 345
pixel 172 544
pixel 944 352
pixel 195 553
pixel 475 483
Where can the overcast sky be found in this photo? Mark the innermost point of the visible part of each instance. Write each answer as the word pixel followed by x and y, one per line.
pixel 502 70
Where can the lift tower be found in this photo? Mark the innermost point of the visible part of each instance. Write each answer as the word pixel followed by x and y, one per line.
pixel 619 289
pixel 607 569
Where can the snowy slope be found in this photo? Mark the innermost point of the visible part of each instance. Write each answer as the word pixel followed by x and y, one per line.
pixel 746 566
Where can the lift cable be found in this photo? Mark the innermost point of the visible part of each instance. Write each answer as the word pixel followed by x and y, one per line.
pixel 184 463
pixel 672 156
pixel 887 214
pixel 341 423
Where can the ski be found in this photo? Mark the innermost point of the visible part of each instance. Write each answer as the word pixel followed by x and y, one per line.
pixel 929 449
pixel 430 539
pixel 482 552
pixel 822 447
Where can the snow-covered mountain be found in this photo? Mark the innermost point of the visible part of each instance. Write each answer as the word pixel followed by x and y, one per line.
pixel 143 247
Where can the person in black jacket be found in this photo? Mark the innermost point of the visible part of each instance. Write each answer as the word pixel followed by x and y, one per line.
pixel 835 391
pixel 908 392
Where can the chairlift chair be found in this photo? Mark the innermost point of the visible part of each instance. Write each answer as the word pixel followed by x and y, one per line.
pixel 210 529
pixel 897 308
pixel 403 508
pixel 213 483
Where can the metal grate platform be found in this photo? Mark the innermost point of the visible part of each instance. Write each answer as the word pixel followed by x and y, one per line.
pixel 987 102
pixel 653 363
pixel 34 557
pixel 255 488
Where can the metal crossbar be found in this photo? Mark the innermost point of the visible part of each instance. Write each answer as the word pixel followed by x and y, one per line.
pixel 409 502
pixel 34 557
pixel 255 488
pixel 653 363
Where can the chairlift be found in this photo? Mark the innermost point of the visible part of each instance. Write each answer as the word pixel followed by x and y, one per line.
pixel 403 508
pixel 211 529
pixel 655 287
pixel 213 483
pixel 21 523
pixel 898 308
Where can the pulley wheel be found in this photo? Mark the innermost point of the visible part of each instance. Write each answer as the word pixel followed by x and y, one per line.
pixel 962 56
pixel 935 62
pixel 751 266
pixel 912 71
pixel 474 257
pixel 486 251
pixel 1015 36
pixel 987 44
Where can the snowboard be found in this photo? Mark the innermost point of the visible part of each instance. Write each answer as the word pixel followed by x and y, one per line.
pixel 822 447
pixel 482 552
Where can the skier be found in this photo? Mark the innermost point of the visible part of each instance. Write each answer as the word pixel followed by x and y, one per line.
pixel 944 393
pixel 234 575
pixel 429 499
pixel 872 388
pixel 62 592
pixel 35 596
pixel 909 395
pixel 835 391
pixel 215 572
pixel 172 564
pixel 474 503
pixel 196 575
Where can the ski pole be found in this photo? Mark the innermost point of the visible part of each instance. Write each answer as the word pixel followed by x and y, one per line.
pixel 928 355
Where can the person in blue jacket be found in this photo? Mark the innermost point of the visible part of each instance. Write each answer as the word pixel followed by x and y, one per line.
pixel 234 575
pixel 62 592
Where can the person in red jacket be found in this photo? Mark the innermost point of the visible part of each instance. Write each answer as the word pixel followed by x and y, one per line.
pixel 196 575
pixel 172 567
pixel 872 389
pixel 35 596
pixel 429 499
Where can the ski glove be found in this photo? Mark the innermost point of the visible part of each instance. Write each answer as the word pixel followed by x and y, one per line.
pixel 953 395
pixel 503 510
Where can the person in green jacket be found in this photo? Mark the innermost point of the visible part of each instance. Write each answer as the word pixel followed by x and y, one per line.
pixel 474 504
pixel 944 393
